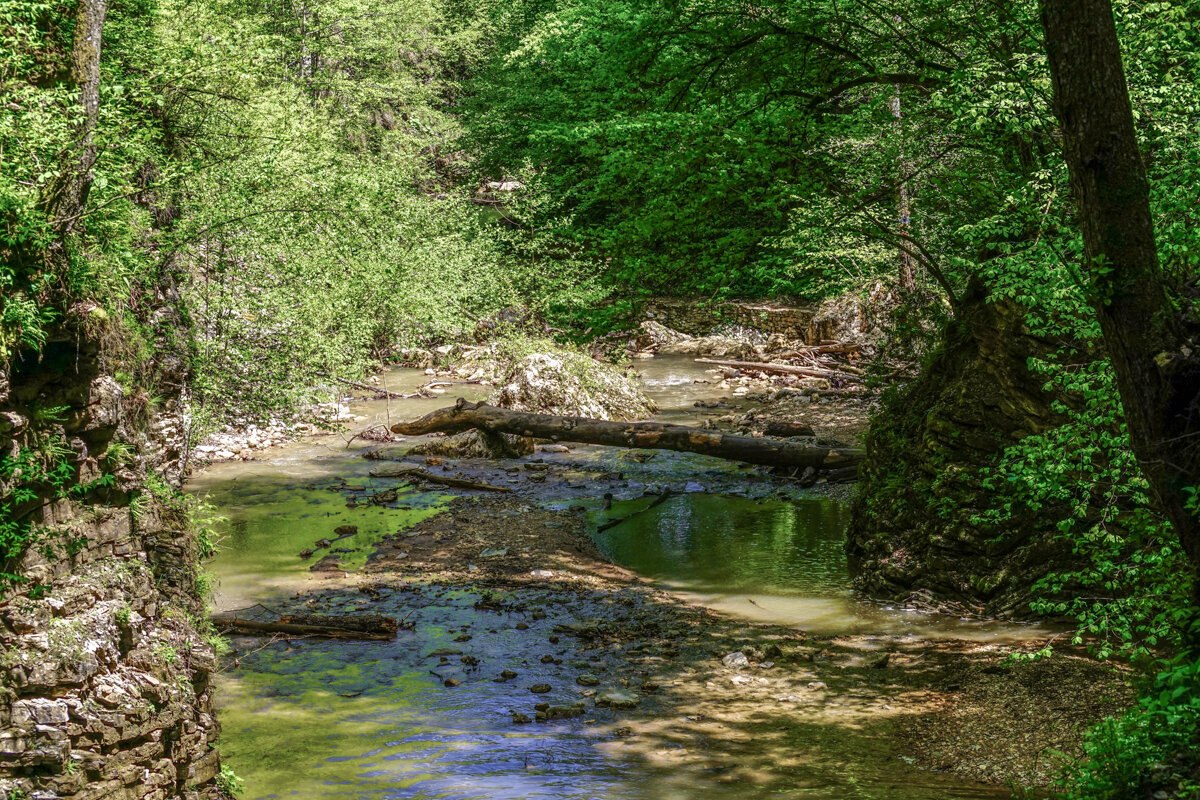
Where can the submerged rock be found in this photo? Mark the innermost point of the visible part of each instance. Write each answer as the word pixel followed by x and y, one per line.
pixel 618 698
pixel 560 712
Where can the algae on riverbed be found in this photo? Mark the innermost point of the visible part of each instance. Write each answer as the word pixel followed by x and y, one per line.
pixel 272 519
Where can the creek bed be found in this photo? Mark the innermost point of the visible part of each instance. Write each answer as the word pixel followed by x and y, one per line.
pixel 322 719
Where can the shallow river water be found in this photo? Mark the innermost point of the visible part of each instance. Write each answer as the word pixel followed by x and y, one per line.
pixel 321 719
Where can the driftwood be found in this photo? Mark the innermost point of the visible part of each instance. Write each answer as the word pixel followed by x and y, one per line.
pixel 405 471
pixel 652 435
pixel 351 626
pixel 786 369
pixel 367 387
pixel 612 523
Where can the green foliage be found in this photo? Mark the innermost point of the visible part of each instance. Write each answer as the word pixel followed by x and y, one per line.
pixel 27 473
pixel 229 783
pixel 1152 748
pixel 1082 473
pixel 326 223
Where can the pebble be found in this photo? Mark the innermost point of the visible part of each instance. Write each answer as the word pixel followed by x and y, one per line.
pixel 736 660
pixel 587 679
pixel 540 688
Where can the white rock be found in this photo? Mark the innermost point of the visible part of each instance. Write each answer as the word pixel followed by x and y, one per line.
pixel 736 660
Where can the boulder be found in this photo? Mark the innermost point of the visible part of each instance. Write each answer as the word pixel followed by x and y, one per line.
pixel 655 334
pixel 715 346
pixel 474 444
pixel 572 384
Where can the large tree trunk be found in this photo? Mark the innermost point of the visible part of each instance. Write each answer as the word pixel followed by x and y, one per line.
pixel 1157 370
pixel 652 435
pixel 67 197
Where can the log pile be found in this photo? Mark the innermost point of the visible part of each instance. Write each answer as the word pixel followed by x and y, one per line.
pixel 815 361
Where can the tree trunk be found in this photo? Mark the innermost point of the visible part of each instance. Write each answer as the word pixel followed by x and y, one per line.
pixel 1158 373
pixel 652 435
pixel 67 197
pixel 908 274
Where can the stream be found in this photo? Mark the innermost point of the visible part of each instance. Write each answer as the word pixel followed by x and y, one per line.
pixel 336 719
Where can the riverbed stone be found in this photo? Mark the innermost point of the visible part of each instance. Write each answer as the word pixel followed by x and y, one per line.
pixel 618 699
pixel 736 660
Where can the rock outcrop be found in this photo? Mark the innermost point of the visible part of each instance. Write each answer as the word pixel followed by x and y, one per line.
pixel 915 528
pixel 571 384
pixel 856 317
pixel 106 682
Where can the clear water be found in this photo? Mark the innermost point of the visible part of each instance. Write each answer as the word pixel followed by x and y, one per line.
pixel 310 719
pixel 722 543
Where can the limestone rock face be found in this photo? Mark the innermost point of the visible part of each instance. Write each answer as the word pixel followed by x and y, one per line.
pixel 105 690
pixel 572 384
pixel 912 531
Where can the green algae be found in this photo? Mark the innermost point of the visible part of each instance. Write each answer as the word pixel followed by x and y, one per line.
pixel 270 522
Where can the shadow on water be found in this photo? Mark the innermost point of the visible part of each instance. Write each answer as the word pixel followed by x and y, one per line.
pixel 769 559
pixel 310 719
pixel 709 542
pixel 317 719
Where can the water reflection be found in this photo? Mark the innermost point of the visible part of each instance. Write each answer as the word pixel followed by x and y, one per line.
pixel 733 544
pixel 769 560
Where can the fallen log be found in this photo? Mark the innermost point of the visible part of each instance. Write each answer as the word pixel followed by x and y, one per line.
pixel 353 626
pixel 786 369
pixel 406 471
pixel 765 450
pixel 368 388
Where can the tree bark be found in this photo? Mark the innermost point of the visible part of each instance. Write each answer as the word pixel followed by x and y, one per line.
pixel 67 197
pixel 651 435
pixel 1157 370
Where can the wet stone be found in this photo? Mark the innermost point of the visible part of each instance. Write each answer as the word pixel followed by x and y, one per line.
pixel 561 712
pixel 540 688
pixel 587 679
pixel 618 699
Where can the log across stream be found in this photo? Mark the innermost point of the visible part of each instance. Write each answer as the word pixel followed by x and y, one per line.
pixel 766 450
